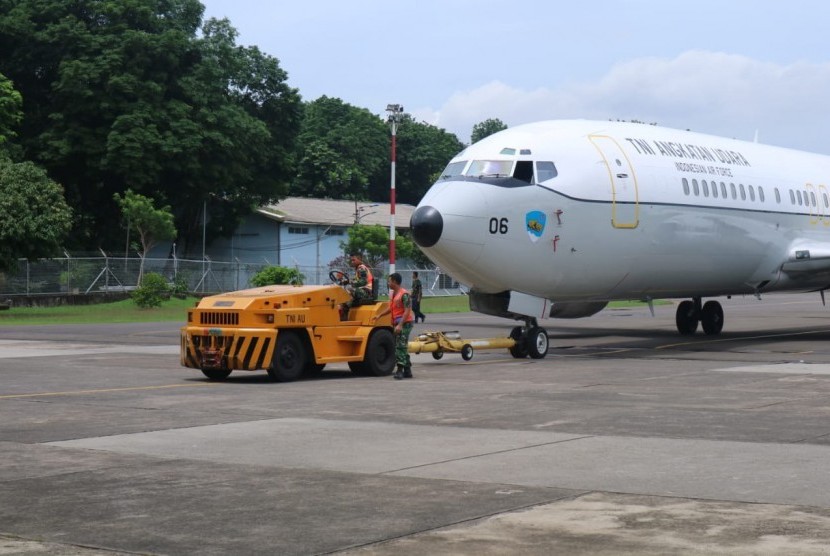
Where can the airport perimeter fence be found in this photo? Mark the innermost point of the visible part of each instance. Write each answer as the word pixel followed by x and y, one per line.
pixel 78 276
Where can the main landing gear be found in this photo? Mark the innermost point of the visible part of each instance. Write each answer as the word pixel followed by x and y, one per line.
pixel 531 340
pixel 690 312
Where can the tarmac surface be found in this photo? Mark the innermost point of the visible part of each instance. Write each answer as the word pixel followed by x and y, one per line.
pixel 626 439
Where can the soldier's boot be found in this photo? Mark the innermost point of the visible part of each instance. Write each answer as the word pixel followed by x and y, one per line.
pixel 399 373
pixel 407 372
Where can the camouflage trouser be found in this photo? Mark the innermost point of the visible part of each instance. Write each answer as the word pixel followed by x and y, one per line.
pixel 358 295
pixel 401 346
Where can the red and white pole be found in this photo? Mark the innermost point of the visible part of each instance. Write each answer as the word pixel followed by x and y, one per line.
pixel 392 204
pixel 395 111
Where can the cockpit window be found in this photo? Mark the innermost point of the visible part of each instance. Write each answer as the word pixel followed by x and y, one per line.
pixel 545 170
pixel 490 168
pixel 524 171
pixel 452 170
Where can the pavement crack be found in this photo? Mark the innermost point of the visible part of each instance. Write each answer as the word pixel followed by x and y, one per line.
pixel 507 451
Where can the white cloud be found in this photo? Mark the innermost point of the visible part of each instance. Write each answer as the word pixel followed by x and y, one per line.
pixel 710 92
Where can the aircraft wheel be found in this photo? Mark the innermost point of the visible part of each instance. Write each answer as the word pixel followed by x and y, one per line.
pixel 289 358
pixel 437 354
pixel 216 374
pixel 519 350
pixel 380 353
pixel 686 318
pixel 711 317
pixel 537 343
pixel 466 352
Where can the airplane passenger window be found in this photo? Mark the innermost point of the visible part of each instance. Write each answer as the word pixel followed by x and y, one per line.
pixel 715 190
pixel 734 191
pixel 813 198
pixel 761 193
pixel 743 191
pixel 696 188
pixel 777 196
pixel 705 185
pixel 826 201
pixel 524 171
pixel 751 193
pixel 686 186
pixel 545 170
pixel 792 197
pixel 798 194
pixel 723 190
pixel 452 170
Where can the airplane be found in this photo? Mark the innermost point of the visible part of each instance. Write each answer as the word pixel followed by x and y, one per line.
pixel 558 218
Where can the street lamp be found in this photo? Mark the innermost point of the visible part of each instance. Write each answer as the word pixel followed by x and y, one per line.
pixel 395 116
pixel 359 211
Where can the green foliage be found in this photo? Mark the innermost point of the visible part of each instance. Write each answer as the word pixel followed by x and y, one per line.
pixel 486 128
pixel 342 150
pixel 140 214
pixel 34 216
pixel 277 275
pixel 373 243
pixel 152 291
pixel 134 93
pixel 180 285
pixel 11 114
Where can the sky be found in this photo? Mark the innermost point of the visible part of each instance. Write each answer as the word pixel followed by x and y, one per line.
pixel 736 68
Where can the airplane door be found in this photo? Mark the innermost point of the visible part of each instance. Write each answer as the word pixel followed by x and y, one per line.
pixel 625 207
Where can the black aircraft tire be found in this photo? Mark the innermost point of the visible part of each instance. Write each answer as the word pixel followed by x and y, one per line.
pixel 519 350
pixel 289 358
pixel 537 343
pixel 711 317
pixel 686 318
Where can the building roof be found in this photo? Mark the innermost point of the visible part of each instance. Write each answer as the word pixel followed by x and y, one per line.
pixel 336 212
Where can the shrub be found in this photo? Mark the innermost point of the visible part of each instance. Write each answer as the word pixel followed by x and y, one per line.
pixel 277 275
pixel 152 291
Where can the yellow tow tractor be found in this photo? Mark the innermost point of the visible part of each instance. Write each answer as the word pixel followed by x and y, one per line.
pixel 288 331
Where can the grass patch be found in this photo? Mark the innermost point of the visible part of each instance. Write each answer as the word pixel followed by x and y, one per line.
pixel 175 310
pixel 103 313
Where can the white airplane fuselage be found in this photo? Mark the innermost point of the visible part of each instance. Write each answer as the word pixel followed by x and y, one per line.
pixel 585 212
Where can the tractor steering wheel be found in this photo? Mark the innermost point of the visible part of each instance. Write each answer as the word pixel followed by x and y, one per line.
pixel 339 277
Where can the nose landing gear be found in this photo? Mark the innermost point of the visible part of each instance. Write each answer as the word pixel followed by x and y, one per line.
pixel 531 340
pixel 691 312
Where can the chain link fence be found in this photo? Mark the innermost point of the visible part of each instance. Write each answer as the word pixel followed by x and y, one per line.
pixel 100 275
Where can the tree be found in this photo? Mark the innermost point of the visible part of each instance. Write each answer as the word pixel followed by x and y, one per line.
pixel 152 224
pixel 11 114
pixel 373 242
pixel 342 149
pixel 34 216
pixel 486 128
pixel 134 92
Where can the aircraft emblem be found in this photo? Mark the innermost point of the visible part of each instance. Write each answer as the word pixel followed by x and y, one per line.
pixel 535 221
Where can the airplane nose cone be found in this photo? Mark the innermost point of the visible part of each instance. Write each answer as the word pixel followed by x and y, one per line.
pixel 426 225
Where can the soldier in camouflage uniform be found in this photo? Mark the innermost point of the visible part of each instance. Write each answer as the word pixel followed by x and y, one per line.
pixel 361 285
pixel 400 306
